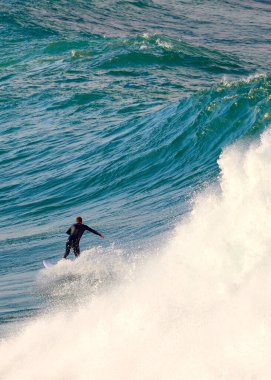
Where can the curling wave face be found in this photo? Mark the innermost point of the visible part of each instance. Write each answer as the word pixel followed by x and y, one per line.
pixel 187 312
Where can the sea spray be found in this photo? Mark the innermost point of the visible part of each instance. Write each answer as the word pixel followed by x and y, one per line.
pixel 200 309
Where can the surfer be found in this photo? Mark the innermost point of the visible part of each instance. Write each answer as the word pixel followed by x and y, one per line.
pixel 76 231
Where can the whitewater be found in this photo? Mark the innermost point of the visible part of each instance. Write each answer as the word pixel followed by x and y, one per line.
pixel 199 308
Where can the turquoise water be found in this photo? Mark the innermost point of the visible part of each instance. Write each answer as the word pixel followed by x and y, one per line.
pixel 117 111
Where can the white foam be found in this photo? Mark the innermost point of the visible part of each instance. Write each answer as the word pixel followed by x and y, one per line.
pixel 163 44
pixel 251 78
pixel 199 310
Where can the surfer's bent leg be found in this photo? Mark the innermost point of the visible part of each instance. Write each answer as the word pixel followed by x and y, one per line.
pixel 76 249
pixel 68 248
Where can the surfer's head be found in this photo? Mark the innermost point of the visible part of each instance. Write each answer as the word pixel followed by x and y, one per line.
pixel 79 219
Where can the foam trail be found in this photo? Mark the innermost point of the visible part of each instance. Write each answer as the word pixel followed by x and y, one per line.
pixel 199 310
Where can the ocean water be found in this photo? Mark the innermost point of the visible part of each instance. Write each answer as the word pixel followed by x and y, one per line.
pixel 150 119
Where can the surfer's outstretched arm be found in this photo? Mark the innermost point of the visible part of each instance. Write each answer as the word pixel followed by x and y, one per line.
pixel 94 231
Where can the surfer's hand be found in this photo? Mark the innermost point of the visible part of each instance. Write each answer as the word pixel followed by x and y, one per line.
pixel 102 236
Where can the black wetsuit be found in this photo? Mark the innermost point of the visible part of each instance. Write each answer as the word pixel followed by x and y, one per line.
pixel 76 231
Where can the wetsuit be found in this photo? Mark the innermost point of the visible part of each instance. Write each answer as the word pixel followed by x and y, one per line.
pixel 76 231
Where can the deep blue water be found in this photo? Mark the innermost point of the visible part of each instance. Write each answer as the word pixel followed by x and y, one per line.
pixel 117 111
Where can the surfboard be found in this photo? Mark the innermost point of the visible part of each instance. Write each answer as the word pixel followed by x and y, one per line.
pixel 47 264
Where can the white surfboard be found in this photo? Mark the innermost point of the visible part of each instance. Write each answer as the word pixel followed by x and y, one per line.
pixel 47 264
